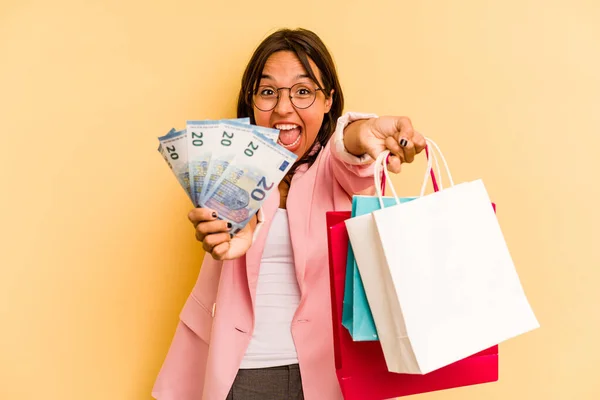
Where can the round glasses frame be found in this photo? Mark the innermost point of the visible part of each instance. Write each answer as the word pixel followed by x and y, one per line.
pixel 291 97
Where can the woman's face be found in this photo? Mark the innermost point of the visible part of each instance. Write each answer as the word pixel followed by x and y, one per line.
pixel 298 127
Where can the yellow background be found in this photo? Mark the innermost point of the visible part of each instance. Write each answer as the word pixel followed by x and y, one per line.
pixel 97 253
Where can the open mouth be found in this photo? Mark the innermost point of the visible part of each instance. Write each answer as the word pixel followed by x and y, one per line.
pixel 289 135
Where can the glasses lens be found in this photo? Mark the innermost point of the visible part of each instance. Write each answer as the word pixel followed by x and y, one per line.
pixel 265 98
pixel 303 95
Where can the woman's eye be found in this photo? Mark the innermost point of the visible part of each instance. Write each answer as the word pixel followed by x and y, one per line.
pixel 303 91
pixel 267 92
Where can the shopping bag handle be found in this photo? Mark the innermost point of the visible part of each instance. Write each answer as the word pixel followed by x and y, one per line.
pixel 381 174
pixel 433 178
pixel 434 147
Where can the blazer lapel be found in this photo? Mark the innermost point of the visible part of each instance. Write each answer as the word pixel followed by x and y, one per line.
pixel 299 205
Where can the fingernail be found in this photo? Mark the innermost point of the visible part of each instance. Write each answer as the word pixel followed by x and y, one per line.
pixel 214 214
pixel 231 235
pixel 403 142
pixel 229 225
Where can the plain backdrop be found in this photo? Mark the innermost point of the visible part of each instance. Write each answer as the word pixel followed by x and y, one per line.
pixel 97 255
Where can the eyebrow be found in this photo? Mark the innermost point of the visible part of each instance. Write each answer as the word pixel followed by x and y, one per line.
pixel 265 76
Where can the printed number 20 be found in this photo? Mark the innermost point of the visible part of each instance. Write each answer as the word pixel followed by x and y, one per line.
pixel 172 153
pixel 250 149
pixel 259 194
pixel 197 139
pixel 226 142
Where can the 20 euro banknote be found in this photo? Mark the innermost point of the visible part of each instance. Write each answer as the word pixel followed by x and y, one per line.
pixel 230 141
pixel 173 147
pixel 202 139
pixel 161 150
pixel 254 173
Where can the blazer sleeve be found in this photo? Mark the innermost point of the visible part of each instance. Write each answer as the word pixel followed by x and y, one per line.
pixel 354 174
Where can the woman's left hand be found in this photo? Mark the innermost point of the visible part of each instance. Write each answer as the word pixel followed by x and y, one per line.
pixel 395 134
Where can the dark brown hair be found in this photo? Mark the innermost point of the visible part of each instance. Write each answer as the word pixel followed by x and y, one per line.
pixel 305 44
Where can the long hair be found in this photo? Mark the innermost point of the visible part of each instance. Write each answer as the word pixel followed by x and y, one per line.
pixel 306 45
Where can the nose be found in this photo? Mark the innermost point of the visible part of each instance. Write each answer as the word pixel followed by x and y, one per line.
pixel 284 105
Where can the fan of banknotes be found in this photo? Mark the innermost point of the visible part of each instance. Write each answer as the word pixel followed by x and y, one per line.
pixel 230 166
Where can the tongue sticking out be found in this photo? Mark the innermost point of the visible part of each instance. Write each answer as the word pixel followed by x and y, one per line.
pixel 289 136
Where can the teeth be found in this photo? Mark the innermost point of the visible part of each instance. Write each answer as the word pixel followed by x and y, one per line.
pixel 285 127
pixel 287 146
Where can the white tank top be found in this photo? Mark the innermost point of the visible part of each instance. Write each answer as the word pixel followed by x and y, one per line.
pixel 277 298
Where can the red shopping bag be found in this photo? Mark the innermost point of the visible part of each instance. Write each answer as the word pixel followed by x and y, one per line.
pixel 360 366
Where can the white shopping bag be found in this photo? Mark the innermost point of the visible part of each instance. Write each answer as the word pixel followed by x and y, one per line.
pixel 456 290
pixel 377 281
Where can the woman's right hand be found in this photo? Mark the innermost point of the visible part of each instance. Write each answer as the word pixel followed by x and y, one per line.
pixel 215 237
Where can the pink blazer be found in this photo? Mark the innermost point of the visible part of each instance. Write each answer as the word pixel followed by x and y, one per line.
pixel 217 320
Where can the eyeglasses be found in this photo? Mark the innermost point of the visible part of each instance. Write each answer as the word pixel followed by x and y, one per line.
pixel 302 95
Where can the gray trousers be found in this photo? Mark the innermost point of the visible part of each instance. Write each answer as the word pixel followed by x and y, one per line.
pixel 276 383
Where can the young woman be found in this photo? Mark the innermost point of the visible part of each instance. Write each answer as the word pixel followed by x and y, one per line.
pixel 257 325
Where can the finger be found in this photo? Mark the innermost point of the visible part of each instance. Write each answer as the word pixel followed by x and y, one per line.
pixel 394 165
pixel 220 251
pixel 404 129
pixel 409 151
pixel 206 228
pixel 419 142
pixel 392 145
pixel 215 239
pixel 198 215
pixel 206 247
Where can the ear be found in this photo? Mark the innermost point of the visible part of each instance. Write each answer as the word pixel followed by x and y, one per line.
pixel 329 101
